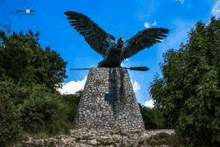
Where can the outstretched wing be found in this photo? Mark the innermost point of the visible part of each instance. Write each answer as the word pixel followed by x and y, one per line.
pixel 97 38
pixel 143 39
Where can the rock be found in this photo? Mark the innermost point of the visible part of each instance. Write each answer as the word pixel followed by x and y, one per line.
pixel 85 137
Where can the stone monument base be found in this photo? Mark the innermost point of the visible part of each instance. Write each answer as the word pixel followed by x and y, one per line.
pixel 108 101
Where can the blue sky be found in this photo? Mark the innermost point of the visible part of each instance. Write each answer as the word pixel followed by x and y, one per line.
pixel 119 18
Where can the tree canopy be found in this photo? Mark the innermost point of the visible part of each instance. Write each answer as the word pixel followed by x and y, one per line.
pixel 29 77
pixel 22 58
pixel 189 91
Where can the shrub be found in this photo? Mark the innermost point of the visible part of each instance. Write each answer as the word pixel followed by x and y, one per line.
pixel 43 109
pixel 9 116
pixel 72 102
pixel 147 116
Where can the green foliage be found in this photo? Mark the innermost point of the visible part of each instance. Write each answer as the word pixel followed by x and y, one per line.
pixel 23 59
pixel 72 102
pixel 189 91
pixel 9 116
pixel 41 109
pixel 153 118
pixel 29 77
pixel 147 118
pixel 159 119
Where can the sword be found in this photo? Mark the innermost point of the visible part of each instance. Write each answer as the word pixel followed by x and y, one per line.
pixel 141 68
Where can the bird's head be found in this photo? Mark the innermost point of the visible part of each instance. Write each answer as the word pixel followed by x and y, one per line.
pixel 120 42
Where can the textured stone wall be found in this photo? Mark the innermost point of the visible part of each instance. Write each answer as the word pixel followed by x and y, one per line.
pixel 108 101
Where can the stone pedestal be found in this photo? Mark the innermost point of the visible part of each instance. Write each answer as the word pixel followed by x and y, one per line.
pixel 108 101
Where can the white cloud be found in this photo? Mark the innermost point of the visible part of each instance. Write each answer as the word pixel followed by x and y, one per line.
pixel 147 25
pixel 72 86
pixel 135 85
pixel 149 103
pixel 216 9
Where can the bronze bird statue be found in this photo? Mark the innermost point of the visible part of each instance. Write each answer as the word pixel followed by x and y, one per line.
pixel 104 43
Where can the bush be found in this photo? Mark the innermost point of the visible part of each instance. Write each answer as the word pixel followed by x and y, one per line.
pixel 43 109
pixel 9 116
pixel 72 102
pixel 147 118
pixel 33 108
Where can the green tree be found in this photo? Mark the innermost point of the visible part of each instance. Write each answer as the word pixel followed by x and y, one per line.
pixel 42 108
pixel 158 118
pixel 148 118
pixel 28 79
pixel 72 102
pixel 154 119
pixel 22 59
pixel 189 91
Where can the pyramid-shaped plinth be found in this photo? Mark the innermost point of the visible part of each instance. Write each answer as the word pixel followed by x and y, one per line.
pixel 108 101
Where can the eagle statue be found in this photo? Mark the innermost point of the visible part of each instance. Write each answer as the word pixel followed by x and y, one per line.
pixel 104 43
